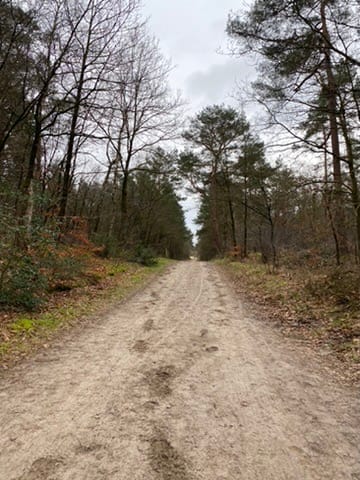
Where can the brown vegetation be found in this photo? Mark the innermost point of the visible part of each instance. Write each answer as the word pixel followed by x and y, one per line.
pixel 84 285
pixel 315 303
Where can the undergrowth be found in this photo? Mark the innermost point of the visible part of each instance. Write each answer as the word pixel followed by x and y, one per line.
pixel 101 283
pixel 323 302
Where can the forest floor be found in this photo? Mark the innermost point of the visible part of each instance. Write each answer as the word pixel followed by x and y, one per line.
pixel 318 305
pixel 183 381
pixel 70 304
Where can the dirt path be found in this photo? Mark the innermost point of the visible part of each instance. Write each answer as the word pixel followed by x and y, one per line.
pixel 180 383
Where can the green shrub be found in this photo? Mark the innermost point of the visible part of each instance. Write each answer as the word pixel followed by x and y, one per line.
pixel 22 283
pixel 144 256
pixel 63 270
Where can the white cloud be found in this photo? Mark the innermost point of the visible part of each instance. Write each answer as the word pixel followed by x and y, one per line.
pixel 217 83
pixel 191 33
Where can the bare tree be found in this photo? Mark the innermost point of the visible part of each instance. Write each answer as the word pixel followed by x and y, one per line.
pixel 142 112
pixel 99 38
pixel 57 37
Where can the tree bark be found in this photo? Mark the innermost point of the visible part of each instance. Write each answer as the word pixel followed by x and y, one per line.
pixel 331 90
pixel 245 224
pixel 355 198
pixel 27 190
pixel 214 211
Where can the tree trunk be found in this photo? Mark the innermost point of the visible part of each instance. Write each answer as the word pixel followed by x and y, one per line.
pixel 355 198
pixel 272 241
pixel 231 210
pixel 67 178
pixel 329 211
pixel 214 213
pixel 331 90
pixel 113 204
pixel 245 224
pixel 124 205
pixel 26 203
pixel 232 220
pixel 101 200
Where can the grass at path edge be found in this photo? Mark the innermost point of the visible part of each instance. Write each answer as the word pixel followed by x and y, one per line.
pixel 25 333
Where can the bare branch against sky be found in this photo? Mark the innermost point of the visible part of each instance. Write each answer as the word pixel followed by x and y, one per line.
pixel 192 34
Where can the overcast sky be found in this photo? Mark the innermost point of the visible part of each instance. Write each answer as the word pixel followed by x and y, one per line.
pixel 191 33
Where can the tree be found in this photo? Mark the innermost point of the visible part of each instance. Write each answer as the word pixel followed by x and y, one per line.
pixel 19 30
pixel 54 46
pixel 17 76
pixel 248 171
pixel 215 134
pixel 98 39
pixel 299 44
pixel 158 217
pixel 87 104
pixel 155 217
pixel 142 112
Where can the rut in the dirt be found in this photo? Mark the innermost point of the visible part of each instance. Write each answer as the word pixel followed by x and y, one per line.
pixel 180 383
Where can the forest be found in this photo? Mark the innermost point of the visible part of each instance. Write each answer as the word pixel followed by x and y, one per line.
pixel 179 269
pixel 179 261
pixel 85 107
pixel 96 153
pixel 298 191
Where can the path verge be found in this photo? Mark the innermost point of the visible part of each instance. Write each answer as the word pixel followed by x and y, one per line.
pixel 23 333
pixel 308 305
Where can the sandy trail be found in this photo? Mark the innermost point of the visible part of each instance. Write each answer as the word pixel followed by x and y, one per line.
pixel 178 383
